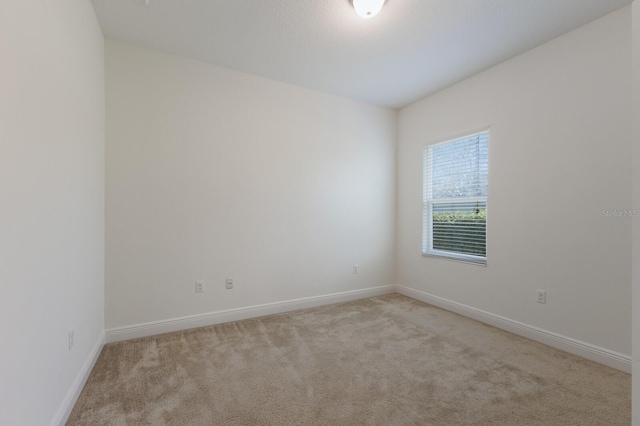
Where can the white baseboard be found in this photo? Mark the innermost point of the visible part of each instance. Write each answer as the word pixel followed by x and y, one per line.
pixel 594 353
pixel 202 320
pixel 61 417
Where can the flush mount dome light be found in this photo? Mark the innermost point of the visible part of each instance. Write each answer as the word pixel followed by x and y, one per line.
pixel 368 8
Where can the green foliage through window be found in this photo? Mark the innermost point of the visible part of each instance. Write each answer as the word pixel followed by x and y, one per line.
pixel 460 231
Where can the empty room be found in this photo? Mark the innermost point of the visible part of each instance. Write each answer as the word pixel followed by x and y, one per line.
pixel 319 212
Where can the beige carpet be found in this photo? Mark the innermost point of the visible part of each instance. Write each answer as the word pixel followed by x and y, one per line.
pixel 387 360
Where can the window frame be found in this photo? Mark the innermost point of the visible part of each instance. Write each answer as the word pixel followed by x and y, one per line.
pixel 428 204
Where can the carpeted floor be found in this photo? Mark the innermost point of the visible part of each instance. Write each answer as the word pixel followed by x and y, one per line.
pixel 388 360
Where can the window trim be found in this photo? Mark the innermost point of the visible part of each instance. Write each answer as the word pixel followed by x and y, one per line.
pixel 427 208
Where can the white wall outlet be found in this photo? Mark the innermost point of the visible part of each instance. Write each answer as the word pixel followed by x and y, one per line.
pixel 541 296
pixel 355 269
pixel 199 286
pixel 72 338
pixel 229 283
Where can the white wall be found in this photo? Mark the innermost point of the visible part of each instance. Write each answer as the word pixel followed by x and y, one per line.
pixel 213 173
pixel 636 207
pixel 560 146
pixel 51 203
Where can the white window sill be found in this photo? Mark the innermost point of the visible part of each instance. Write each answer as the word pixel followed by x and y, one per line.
pixel 462 259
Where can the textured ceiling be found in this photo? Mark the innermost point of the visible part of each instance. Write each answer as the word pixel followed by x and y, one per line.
pixel 411 49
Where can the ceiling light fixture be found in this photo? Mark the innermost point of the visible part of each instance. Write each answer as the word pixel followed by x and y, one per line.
pixel 368 8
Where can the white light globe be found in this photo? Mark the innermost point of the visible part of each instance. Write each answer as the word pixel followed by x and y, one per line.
pixel 368 8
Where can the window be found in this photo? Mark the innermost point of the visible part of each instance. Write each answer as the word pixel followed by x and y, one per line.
pixel 455 198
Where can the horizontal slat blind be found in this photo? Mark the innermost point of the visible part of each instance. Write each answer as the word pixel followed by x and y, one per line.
pixel 460 227
pixel 455 197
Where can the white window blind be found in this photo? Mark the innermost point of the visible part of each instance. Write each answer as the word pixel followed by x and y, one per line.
pixel 455 198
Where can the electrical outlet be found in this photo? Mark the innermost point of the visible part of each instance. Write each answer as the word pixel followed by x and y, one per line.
pixel 199 286
pixel 355 269
pixel 229 283
pixel 541 296
pixel 72 338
